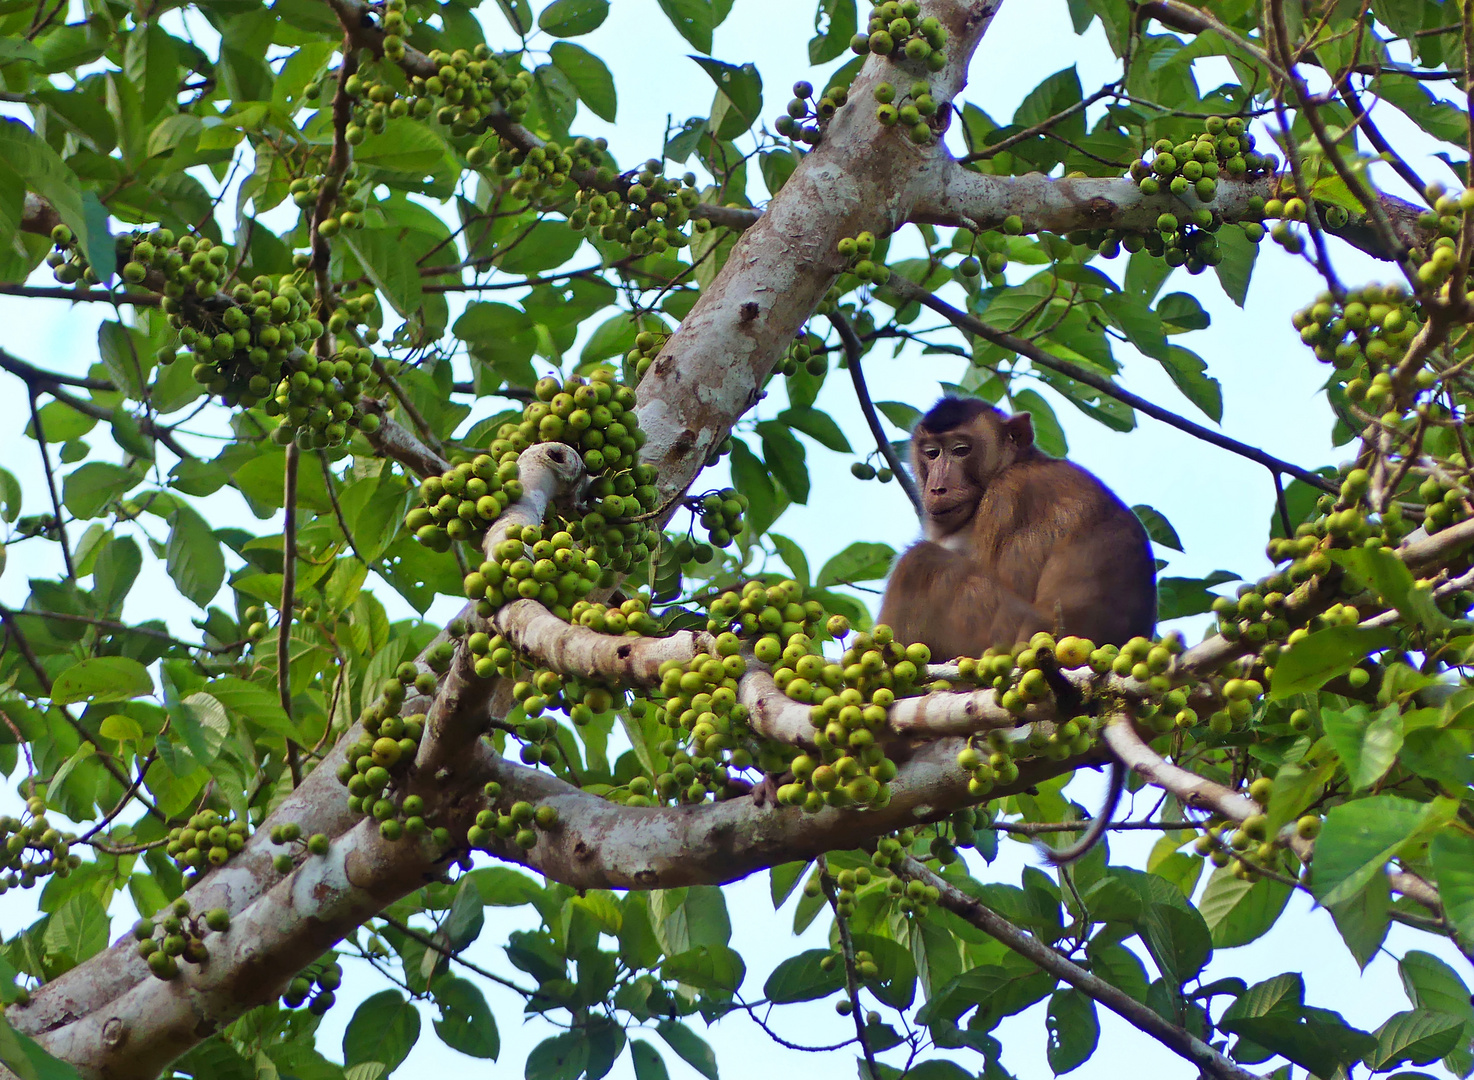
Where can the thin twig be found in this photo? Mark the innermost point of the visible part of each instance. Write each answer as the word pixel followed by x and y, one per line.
pixel 61 532
pixel 847 948
pixel 288 588
pixel 331 483
pixel 853 351
pixel 1038 356
pixel 1041 128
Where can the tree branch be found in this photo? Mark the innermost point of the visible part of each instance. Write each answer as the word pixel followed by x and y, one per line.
pixel 1140 1016
pixel 854 352
pixel 1023 347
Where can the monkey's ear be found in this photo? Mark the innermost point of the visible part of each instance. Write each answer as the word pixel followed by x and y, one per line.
pixel 1019 430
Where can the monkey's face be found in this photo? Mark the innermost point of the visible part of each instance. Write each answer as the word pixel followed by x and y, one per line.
pixel 953 471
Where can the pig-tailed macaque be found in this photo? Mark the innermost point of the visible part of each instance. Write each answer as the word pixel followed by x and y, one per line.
pixel 1016 542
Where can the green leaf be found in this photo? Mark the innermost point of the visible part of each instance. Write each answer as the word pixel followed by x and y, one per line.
pixel 102 678
pixel 1181 312
pixel 589 77
pixel 91 487
pixel 692 1048
pixel 1364 919
pixel 1315 660
pixel 563 1057
pixel 817 425
pixel 1178 597
pixel 27 1060
pixel 193 556
pixel 42 170
pixel 793 555
pixel 254 702
pixel 519 14
pixel 381 254
pixel 1272 1015
pixel 693 20
pixel 1357 841
pixel 1178 939
pixel 835 22
pixel 899 413
pixel 1383 571
pixel 1416 1036
pixel 1074 1030
pixel 570 18
pixel 896 983
pixel 648 1065
pixel 78 929
pixel 1158 528
pixel 716 969
pixel 801 978
pixel 383 1029
pixel 465 1023
pixel 785 458
pixel 1367 743
pixel 121 728
pixel 740 85
pixel 1048 435
pixel 1431 984
pixel 1238 912
pixel 1453 865
pixel 1237 264
pixel 10 495
pixel 546 245
pixel 861 561
pixel 405 145
pixel 1186 369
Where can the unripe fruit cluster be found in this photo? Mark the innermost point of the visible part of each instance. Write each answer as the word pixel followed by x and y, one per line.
pixel 849 708
pixel 650 216
pixel 33 848
pixel 1192 168
pixel 1446 221
pixel 518 823
pixel 466 91
pixel 177 936
pixel 637 361
pixel 719 513
pixel 707 726
pixel 380 758
pixel 857 251
pixel 349 208
pixel 897 29
pixel 543 175
pixel 462 502
pixel 802 107
pixel 803 353
pixel 541 689
pixel 863 470
pixel 1369 329
pixel 914 112
pixel 315 986
pixel 207 839
pixel 290 833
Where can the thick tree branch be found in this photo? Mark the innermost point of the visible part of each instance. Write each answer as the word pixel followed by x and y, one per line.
pixel 974 200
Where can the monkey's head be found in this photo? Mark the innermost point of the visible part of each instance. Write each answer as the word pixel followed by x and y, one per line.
pixel 956 450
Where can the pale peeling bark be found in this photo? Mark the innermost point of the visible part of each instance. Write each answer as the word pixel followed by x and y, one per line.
pixel 861 176
pixel 956 195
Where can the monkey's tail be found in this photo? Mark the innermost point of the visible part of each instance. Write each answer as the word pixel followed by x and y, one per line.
pixel 1098 826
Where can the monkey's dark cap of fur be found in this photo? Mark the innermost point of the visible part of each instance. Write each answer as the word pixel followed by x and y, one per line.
pixel 953 412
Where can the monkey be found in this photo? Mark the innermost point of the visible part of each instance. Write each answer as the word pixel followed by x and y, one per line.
pixel 1015 542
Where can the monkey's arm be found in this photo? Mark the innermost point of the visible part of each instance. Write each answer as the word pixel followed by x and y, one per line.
pixel 1098 825
pixel 938 597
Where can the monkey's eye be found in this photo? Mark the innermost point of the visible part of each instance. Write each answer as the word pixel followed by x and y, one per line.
pixel 961 449
pixel 931 452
